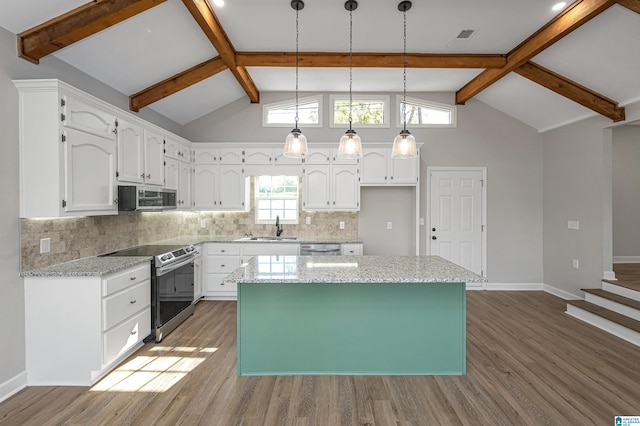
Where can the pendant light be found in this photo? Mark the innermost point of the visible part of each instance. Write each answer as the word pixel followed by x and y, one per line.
pixel 350 143
pixel 404 145
pixel 295 145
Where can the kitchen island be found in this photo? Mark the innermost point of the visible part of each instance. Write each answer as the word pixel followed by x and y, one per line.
pixel 356 315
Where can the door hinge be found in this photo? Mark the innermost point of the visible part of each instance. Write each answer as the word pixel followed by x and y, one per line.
pixel 116 122
pixel 482 182
pixel 63 117
pixel 64 203
pixel 62 102
pixel 117 173
pixel 63 138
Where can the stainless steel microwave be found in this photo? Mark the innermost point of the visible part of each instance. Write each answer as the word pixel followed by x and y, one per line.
pixel 140 198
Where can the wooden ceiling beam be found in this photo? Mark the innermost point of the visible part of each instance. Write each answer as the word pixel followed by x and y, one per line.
pixel 573 17
pixel 372 60
pixel 630 4
pixel 176 83
pixel 80 23
pixel 205 17
pixel 572 90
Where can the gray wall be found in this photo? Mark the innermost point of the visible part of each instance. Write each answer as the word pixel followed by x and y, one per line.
pixel 12 355
pixel 511 151
pixel 578 176
pixel 626 192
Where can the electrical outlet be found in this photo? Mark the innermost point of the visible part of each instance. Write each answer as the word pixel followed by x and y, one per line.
pixel 45 245
pixel 389 225
pixel 573 224
pixel 576 264
pixel 203 223
pixel 308 220
pixel 341 224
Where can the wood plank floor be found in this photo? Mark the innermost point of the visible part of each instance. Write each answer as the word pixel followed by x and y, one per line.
pixel 528 363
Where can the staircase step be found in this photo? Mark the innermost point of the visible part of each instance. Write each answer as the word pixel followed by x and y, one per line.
pixel 617 324
pixel 628 289
pixel 614 302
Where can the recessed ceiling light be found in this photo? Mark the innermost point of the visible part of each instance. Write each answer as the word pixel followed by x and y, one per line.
pixel 218 3
pixel 559 6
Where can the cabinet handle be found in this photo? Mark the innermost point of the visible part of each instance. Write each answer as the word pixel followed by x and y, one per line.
pixel 222 283
pixel 149 176
pixel 222 266
pixel 134 332
pixel 133 278
pixel 142 176
pixel 133 301
pixel 222 251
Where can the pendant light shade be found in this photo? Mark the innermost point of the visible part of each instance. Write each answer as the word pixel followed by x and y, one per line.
pixel 350 143
pixel 404 145
pixel 295 144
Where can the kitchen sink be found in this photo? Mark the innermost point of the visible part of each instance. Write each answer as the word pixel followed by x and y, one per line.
pixel 267 238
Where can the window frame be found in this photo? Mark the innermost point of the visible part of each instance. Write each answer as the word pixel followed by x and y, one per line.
pixel 256 200
pixel 292 103
pixel 345 97
pixel 426 104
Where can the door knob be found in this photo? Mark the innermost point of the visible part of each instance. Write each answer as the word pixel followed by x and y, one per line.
pixel 434 238
pixel 433 229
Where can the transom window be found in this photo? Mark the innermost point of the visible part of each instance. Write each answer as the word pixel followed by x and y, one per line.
pixel 421 113
pixel 283 114
pixel 276 196
pixel 366 110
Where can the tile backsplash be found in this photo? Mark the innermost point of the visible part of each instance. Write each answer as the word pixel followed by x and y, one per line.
pixel 75 238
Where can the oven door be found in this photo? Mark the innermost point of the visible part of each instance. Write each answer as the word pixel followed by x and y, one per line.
pixel 172 291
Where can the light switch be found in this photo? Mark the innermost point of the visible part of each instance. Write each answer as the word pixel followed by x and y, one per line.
pixel 389 225
pixel 203 223
pixel 576 264
pixel 308 220
pixel 573 224
pixel 45 245
pixel 341 224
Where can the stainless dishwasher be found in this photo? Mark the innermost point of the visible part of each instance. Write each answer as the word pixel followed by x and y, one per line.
pixel 320 249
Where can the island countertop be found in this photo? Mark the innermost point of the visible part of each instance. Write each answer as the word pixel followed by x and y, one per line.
pixel 352 269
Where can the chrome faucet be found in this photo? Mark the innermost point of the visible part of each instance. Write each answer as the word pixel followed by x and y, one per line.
pixel 278 227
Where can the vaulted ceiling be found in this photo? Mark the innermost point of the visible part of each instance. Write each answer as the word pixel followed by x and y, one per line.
pixel 187 58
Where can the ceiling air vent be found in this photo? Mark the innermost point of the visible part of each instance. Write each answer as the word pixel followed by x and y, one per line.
pixel 465 34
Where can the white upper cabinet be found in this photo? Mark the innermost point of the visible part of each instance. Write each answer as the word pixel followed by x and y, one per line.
pixel 130 152
pixel 258 156
pixel 270 161
pixel 209 153
pixel 377 167
pixel 153 158
pixel 177 149
pixel 67 152
pixel 219 187
pixel 330 188
pixel 318 156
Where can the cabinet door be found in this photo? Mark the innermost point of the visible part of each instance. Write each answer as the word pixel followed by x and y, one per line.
pixel 318 156
pixel 90 170
pixel 130 152
pixel 197 275
pixel 280 159
pixel 373 167
pixel 231 155
pixel 205 187
pixel 258 156
pixel 172 148
pixel 336 159
pixel 316 188
pixel 345 188
pixel 85 116
pixel 153 158
pixel 184 186
pixel 232 188
pixel 172 175
pixel 206 155
pixel 404 171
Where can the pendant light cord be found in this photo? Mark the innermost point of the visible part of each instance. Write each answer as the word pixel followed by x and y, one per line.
pixel 404 73
pixel 297 36
pixel 350 64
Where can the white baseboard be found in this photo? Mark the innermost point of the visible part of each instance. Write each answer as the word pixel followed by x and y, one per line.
pixel 626 259
pixel 13 386
pixel 561 293
pixel 513 286
pixel 609 275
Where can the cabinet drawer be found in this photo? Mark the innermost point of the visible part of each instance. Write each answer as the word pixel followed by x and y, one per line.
pixel 220 264
pixel 122 305
pixel 223 249
pixel 127 278
pixel 351 249
pixel 123 337
pixel 215 285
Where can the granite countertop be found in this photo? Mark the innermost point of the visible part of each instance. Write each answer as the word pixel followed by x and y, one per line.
pixel 88 267
pixel 352 269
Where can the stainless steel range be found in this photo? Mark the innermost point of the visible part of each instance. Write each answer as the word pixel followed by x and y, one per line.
pixel 172 285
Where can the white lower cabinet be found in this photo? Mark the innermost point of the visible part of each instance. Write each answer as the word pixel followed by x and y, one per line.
pixel 198 273
pixel 80 328
pixel 223 258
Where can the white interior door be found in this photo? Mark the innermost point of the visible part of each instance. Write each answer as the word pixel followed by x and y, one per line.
pixel 456 222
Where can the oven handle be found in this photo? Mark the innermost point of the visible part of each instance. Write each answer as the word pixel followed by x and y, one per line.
pixel 172 267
